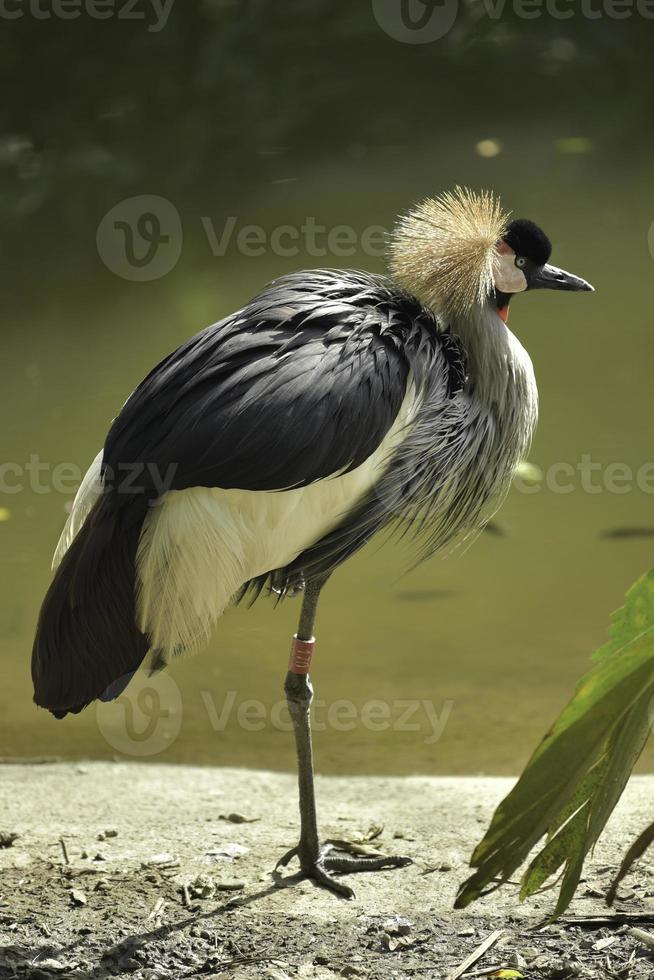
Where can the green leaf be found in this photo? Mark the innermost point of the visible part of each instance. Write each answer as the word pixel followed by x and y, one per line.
pixel 636 616
pixel 637 849
pixel 577 774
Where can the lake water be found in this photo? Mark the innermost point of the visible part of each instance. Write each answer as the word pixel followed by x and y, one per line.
pixel 460 665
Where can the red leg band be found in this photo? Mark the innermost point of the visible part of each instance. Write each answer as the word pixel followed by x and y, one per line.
pixel 301 653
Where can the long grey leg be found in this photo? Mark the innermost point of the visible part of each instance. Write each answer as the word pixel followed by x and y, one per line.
pixel 299 695
pixel 315 862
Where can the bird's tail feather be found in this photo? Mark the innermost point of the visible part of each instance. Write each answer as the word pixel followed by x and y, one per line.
pixel 87 638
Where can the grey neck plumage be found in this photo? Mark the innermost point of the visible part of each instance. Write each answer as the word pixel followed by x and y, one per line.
pixel 500 371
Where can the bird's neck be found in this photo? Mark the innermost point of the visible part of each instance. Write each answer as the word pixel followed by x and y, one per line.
pixel 499 368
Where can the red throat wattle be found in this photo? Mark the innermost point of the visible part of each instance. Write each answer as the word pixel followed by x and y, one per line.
pixel 503 312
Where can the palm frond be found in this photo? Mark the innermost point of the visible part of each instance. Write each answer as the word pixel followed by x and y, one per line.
pixel 576 776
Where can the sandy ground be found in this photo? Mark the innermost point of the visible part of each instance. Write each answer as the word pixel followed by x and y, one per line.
pixel 158 876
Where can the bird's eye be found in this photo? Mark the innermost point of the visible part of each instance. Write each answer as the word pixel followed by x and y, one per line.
pixel 520 261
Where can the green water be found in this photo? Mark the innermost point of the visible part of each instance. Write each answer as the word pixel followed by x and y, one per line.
pixel 468 659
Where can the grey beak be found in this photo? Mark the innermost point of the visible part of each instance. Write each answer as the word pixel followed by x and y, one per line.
pixel 549 277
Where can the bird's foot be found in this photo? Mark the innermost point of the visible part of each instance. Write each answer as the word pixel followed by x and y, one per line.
pixel 321 865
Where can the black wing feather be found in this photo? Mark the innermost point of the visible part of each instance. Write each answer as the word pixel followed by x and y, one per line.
pixel 303 382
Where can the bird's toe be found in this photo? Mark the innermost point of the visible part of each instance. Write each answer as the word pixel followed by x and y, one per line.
pixel 286 858
pixel 322 866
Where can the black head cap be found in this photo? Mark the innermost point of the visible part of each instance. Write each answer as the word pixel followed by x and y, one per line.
pixel 526 238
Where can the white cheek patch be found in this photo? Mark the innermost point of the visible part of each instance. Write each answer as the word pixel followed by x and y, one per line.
pixel 508 278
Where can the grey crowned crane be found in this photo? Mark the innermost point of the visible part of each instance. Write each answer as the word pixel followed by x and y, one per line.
pixel 272 445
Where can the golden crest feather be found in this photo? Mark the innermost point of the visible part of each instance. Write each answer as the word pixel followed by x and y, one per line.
pixel 444 250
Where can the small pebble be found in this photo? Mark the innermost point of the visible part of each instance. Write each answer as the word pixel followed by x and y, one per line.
pixel 517 962
pixel 106 834
pixel 53 966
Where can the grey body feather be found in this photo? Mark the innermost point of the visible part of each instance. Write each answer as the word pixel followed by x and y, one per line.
pixel 455 466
